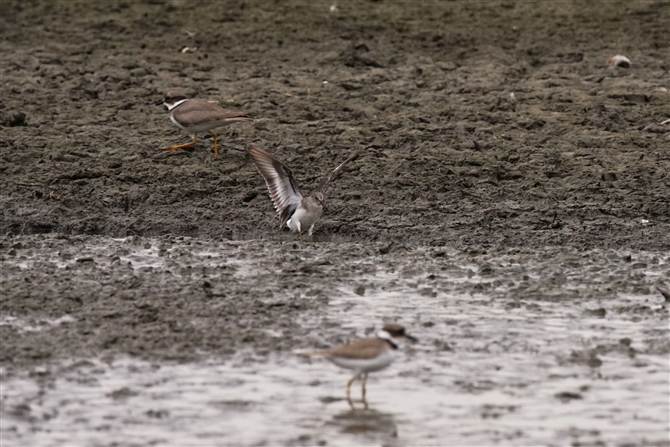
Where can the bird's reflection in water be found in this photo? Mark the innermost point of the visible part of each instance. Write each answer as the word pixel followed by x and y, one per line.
pixel 368 423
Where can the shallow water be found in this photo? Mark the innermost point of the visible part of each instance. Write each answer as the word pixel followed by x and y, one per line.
pixel 515 349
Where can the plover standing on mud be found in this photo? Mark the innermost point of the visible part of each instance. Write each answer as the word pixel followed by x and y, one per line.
pixel 297 212
pixel 366 355
pixel 195 116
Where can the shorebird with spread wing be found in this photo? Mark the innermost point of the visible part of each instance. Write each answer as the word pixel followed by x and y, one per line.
pixel 296 212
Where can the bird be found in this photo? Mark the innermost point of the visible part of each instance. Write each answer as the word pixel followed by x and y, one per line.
pixel 295 211
pixel 195 116
pixel 366 355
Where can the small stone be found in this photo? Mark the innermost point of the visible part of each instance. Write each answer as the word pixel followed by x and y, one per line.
pixel 600 312
pixel 360 290
pixel 567 396
pixel 17 119
pixel 594 362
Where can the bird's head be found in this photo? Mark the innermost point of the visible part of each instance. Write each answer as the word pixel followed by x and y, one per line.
pixel 172 99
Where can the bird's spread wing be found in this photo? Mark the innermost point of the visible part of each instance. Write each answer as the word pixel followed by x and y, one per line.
pixel 333 175
pixel 279 180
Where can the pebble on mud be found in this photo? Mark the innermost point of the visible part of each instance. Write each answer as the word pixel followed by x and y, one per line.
pixel 618 61
pixel 567 396
pixel 17 119
pixel 122 393
pixel 594 362
pixel 599 313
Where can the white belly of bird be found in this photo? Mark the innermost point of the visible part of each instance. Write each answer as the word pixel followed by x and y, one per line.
pixel 301 220
pixel 366 365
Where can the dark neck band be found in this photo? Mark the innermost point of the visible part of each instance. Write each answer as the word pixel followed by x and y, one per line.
pixel 390 342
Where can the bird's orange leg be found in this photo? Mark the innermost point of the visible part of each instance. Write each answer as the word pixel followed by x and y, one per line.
pixel 216 147
pixel 181 146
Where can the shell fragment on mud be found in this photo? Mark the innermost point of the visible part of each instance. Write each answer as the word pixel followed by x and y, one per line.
pixel 618 61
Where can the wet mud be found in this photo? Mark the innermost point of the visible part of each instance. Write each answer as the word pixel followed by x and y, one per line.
pixel 173 342
pixel 511 205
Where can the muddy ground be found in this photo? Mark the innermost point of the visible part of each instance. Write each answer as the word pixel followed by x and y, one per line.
pixel 487 131
pixel 577 158
pixel 421 89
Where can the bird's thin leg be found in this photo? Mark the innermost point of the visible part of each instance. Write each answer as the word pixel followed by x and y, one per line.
pixel 216 147
pixel 309 234
pixel 181 146
pixel 363 382
pixel 349 386
pixel 300 235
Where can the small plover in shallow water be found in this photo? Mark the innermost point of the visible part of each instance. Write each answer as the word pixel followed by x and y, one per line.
pixel 366 355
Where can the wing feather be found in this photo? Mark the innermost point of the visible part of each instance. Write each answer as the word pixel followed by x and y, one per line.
pixel 359 349
pixel 194 112
pixel 281 185
pixel 333 175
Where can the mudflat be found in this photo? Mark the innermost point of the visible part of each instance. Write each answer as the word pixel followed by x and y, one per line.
pixel 511 206
pixel 489 124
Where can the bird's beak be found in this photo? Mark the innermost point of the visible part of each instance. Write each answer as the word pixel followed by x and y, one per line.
pixel 159 102
pixel 411 338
